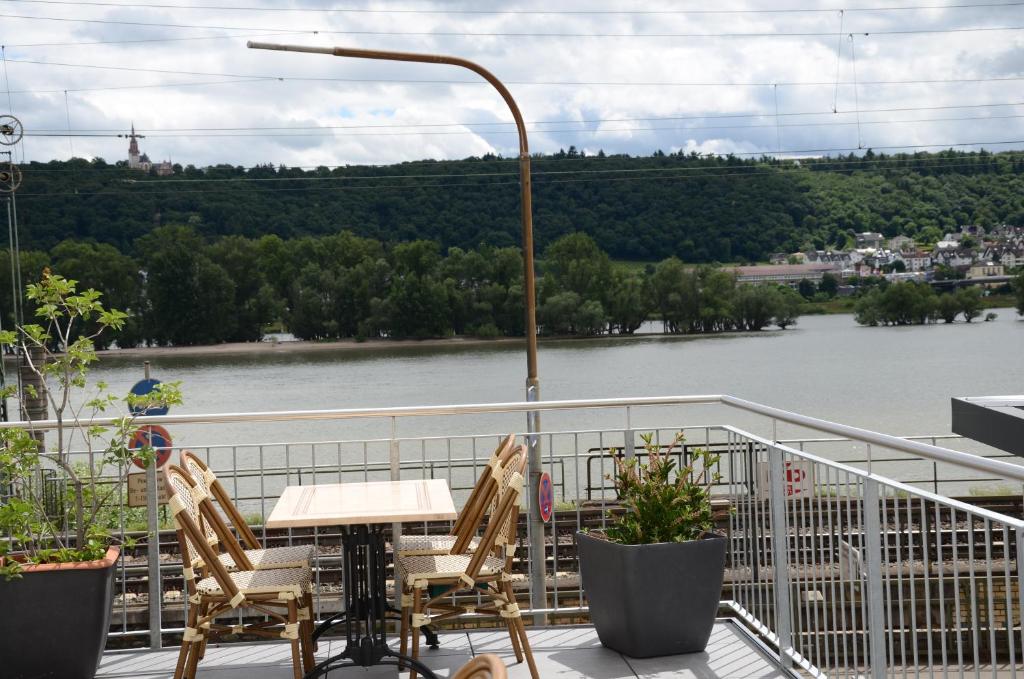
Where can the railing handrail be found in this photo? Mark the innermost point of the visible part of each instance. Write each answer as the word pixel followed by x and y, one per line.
pixel 987 465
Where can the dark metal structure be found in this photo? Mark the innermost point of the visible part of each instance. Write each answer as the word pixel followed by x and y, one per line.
pixel 997 421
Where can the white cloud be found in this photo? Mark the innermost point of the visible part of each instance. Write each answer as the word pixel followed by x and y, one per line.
pixel 516 59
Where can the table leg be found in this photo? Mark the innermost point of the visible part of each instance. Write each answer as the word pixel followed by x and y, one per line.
pixel 365 586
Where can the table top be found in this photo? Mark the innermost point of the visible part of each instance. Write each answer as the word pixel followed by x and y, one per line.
pixel 337 504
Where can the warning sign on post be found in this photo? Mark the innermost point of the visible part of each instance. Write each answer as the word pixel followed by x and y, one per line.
pixel 137 486
pixel 799 475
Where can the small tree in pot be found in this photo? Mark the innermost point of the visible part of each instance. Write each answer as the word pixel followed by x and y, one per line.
pixel 653 579
pixel 57 508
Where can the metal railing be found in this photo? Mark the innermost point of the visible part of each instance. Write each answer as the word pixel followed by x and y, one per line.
pixel 840 569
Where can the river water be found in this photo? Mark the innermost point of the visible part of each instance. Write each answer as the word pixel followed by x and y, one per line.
pixel 893 380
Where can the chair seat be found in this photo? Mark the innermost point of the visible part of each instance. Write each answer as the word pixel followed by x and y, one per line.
pixel 297 556
pixel 413 545
pixel 286 580
pixel 444 566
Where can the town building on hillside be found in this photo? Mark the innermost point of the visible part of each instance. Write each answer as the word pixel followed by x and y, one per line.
pixel 140 161
pixel 782 274
pixel 985 270
pixel 917 260
pixel 870 239
pixel 902 244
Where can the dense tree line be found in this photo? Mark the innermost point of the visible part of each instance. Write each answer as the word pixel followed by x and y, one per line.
pixel 912 303
pixel 1018 289
pixel 180 289
pixel 700 209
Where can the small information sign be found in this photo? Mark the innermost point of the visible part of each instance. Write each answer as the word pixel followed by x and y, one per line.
pixel 137 487
pixel 545 496
pixel 799 479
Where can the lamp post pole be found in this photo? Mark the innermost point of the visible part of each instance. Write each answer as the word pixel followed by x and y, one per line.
pixel 538 597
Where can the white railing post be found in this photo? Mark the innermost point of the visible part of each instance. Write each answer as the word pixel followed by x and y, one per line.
pixel 780 555
pixel 875 593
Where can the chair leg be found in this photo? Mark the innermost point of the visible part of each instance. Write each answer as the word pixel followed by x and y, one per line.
pixel 516 624
pixel 526 647
pixel 293 619
pixel 306 636
pixel 186 646
pixel 417 609
pixel 193 660
pixel 404 629
pixel 513 633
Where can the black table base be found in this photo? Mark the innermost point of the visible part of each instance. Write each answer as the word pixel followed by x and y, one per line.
pixel 366 607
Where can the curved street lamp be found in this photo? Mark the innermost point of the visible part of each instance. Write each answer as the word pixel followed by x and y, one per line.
pixel 526 209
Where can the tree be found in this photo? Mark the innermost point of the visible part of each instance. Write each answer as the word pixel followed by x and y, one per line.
pixel 629 302
pixel 191 298
pixel 788 308
pixel 829 285
pixel 806 288
pixel 948 307
pixel 969 300
pixel 1018 291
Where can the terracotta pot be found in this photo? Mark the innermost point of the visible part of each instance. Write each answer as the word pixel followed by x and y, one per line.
pixel 54 619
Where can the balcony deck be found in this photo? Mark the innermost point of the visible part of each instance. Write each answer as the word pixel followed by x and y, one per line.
pixel 564 652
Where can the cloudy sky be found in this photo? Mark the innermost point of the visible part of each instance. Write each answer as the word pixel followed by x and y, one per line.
pixel 591 73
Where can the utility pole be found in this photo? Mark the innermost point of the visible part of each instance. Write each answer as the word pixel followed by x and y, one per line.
pixel 538 586
pixel 11 132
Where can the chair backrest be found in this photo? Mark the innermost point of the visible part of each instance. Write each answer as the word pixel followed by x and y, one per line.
pixel 202 474
pixel 186 502
pixel 486 666
pixel 462 524
pixel 500 535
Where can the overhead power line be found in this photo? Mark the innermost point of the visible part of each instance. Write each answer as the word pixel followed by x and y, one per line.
pixel 328 131
pixel 656 12
pixel 566 83
pixel 564 121
pixel 523 34
pixel 132 41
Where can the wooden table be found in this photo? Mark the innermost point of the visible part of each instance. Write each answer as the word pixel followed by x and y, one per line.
pixel 362 510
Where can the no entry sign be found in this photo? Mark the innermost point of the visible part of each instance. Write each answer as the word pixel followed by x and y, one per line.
pixel 545 496
pixel 155 436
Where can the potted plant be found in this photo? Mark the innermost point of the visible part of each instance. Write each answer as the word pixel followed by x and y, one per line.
pixel 654 577
pixel 57 498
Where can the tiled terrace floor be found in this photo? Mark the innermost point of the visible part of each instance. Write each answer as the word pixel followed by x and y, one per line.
pixel 562 652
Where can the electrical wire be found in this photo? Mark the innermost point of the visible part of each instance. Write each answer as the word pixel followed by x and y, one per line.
pixel 327 131
pixel 353 10
pixel 525 34
pixel 582 121
pixel 133 41
pixel 829 83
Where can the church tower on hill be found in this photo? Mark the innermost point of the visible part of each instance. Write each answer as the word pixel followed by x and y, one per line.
pixel 140 161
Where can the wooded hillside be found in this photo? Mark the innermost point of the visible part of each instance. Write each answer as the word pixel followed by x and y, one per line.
pixel 638 208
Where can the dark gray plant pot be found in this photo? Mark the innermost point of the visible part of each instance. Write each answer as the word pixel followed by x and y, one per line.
pixel 649 600
pixel 54 619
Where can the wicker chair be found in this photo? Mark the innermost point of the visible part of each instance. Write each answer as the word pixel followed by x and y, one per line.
pixel 416 545
pixel 487 666
pixel 248 554
pixel 282 595
pixel 486 571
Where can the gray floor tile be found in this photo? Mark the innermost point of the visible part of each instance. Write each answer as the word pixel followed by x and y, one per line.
pixel 548 638
pixel 729 655
pixel 572 663
pixel 560 653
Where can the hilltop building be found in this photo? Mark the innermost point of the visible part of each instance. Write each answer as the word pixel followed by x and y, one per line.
pixel 140 161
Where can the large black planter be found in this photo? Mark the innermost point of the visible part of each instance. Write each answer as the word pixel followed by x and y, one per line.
pixel 648 600
pixel 54 619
